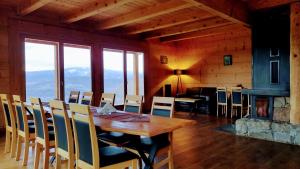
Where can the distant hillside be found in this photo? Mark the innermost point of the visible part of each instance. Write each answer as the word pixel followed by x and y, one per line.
pixel 42 83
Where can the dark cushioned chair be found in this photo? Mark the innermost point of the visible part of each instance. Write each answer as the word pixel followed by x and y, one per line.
pixel 89 153
pixel 10 125
pixel 26 129
pixel 45 139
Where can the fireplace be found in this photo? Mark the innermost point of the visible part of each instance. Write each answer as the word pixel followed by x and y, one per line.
pixel 263 102
pixel 262 107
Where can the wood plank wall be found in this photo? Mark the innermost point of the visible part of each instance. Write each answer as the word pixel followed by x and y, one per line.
pixel 203 59
pixel 4 60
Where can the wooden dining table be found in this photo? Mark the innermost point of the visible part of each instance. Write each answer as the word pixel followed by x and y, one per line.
pixel 155 126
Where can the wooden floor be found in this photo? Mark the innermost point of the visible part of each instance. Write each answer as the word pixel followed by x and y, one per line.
pixel 203 147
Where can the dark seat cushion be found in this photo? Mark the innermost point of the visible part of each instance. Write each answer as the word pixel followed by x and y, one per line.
pixel 30 122
pixel 114 137
pixel 49 120
pixel 31 128
pixel 51 135
pixel 113 155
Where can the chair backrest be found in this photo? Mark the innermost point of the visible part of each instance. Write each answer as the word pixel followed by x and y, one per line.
pixel 74 97
pixel 221 95
pixel 10 120
pixel 62 128
pixel 236 95
pixel 133 103
pixel 87 98
pixel 87 152
pixel 21 116
pixel 40 121
pixel 107 98
pixel 163 106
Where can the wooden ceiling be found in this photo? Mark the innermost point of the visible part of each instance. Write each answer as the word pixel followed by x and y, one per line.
pixel 169 20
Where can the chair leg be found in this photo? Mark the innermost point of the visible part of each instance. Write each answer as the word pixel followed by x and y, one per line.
pixel 13 144
pixel 26 151
pixel 38 148
pixel 19 145
pixel 58 162
pixel 46 157
pixel 71 161
pixel 217 110
pixel 170 155
pixel 134 164
pixel 7 142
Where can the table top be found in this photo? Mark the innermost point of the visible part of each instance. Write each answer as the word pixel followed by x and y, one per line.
pixel 157 125
pixel 186 99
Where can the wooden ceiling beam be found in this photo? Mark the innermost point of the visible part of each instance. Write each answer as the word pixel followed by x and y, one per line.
pixel 143 14
pixel 168 22
pixel 195 26
pixel 262 4
pixel 235 11
pixel 202 33
pixel 33 5
pixel 94 9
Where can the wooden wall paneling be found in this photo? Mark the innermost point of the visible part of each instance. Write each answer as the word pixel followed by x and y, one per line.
pixel 295 64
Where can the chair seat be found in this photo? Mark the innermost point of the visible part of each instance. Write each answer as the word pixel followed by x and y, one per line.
pixel 30 122
pixel 113 155
pixel 50 120
pixel 31 128
pixel 161 140
pixel 114 137
pixel 51 135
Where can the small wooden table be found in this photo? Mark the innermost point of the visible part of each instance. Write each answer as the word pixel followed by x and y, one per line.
pixel 194 103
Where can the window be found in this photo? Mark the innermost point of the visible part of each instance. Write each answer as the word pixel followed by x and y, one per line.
pixel 135 73
pixel 40 69
pixel 274 71
pixel 113 64
pixel 77 69
pixel 114 73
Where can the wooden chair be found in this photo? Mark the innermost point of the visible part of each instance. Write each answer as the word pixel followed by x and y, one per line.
pixel 87 98
pixel 88 153
pixel 26 129
pixel 74 97
pixel 236 101
pixel 64 143
pixel 222 100
pixel 45 139
pixel 133 103
pixel 10 125
pixel 107 98
pixel 162 106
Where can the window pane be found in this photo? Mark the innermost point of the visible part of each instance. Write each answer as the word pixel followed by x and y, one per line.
pixel 130 74
pixel 141 73
pixel 114 74
pixel 40 70
pixel 135 73
pixel 77 65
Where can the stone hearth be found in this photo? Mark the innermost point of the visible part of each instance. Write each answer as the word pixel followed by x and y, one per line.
pixel 267 130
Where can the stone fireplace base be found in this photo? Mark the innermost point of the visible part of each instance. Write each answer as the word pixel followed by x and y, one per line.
pixel 273 131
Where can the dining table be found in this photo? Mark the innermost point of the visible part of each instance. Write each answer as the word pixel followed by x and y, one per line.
pixel 136 125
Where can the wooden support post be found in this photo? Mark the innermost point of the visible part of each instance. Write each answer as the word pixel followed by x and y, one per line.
pixel 295 64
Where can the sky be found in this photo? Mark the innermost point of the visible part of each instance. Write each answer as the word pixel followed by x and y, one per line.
pixel 40 57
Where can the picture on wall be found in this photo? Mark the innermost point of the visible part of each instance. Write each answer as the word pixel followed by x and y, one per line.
pixel 227 60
